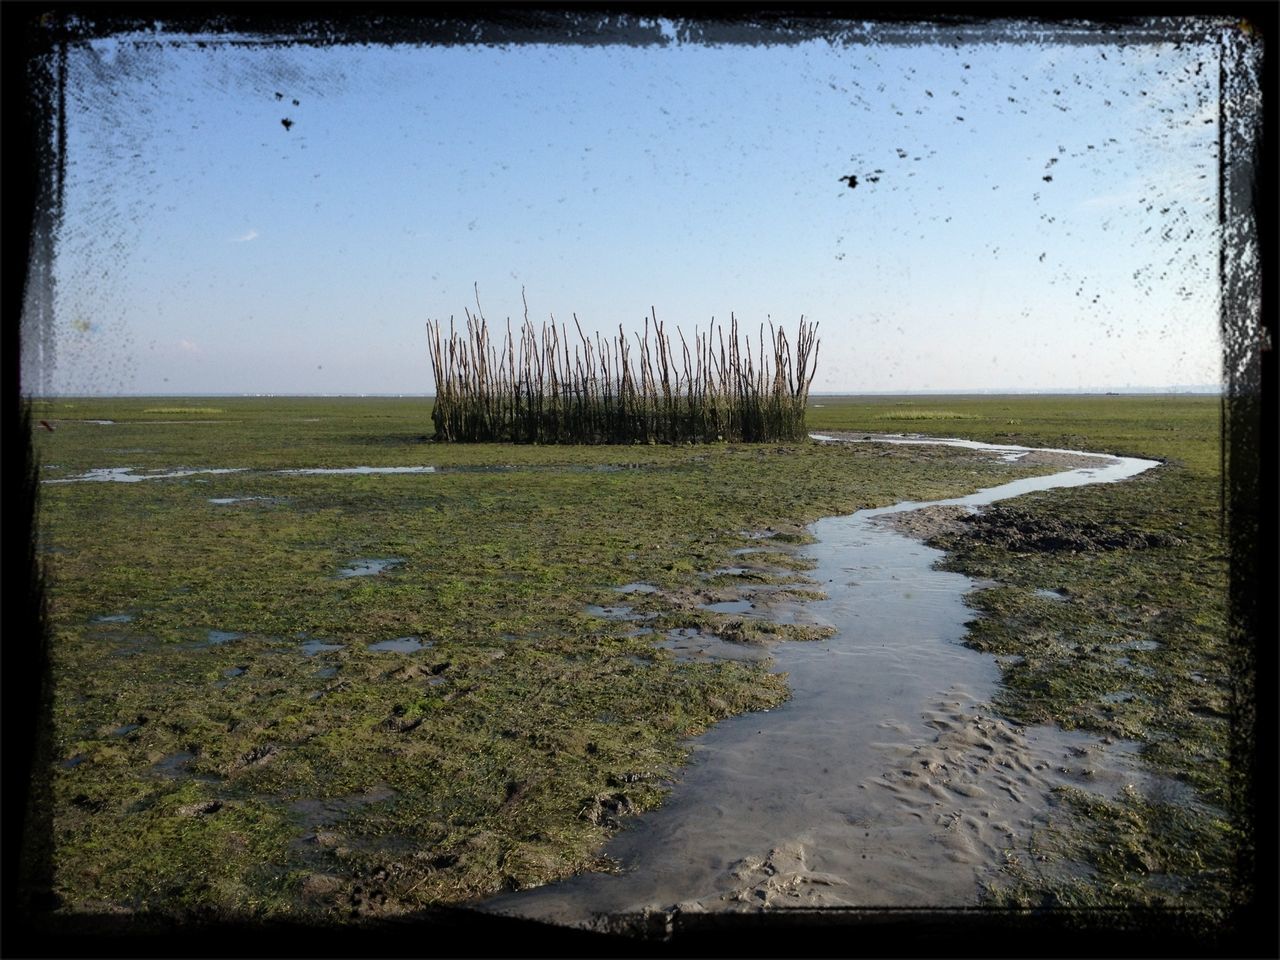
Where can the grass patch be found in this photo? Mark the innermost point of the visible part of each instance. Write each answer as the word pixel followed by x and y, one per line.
pixel 248 778
pixel 178 410
pixel 926 415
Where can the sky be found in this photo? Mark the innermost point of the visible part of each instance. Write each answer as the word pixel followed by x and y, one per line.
pixel 1027 216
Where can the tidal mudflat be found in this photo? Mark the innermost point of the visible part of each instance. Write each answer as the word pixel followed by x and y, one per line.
pixel 530 725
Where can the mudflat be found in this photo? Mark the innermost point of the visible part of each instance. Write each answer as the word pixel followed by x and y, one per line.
pixel 291 767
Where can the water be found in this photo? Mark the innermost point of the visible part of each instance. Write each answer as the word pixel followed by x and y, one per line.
pixel 369 568
pixel 359 470
pixel 690 644
pixel 313 647
pixel 114 618
pixel 730 606
pixel 398 645
pixel 882 781
pixel 126 475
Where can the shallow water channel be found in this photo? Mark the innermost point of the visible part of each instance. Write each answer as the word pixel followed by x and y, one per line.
pixel 885 780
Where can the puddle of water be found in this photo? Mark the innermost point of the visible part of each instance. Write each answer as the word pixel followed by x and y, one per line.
pixel 368 568
pixel 126 475
pixel 125 730
pixel 224 500
pixel 326 673
pixel 114 618
pixel 619 612
pixel 75 761
pixel 313 647
pixel 398 645
pixel 729 606
pixel 360 470
pixel 102 422
pixel 827 797
pixel 637 588
pixel 217 637
pixel 689 644
pixel 233 672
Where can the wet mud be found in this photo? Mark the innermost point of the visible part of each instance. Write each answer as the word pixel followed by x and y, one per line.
pixel 887 779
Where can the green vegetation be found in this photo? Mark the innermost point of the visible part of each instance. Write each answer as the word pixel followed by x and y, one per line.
pixel 534 392
pixel 927 415
pixel 177 410
pixel 247 777
pixel 1136 647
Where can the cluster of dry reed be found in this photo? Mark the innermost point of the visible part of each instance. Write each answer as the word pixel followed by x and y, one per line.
pixel 535 389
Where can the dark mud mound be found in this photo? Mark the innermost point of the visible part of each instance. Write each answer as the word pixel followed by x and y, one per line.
pixel 1022 531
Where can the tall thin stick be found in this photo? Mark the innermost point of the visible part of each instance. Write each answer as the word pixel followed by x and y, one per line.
pixel 549 390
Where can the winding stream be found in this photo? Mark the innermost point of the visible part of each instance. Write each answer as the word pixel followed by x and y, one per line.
pixel 885 780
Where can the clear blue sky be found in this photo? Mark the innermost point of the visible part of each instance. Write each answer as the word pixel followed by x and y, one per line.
pixel 206 248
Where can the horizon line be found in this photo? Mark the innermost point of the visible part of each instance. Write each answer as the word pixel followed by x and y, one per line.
pixel 1198 389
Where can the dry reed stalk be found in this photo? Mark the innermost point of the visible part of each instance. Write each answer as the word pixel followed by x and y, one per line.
pixel 537 391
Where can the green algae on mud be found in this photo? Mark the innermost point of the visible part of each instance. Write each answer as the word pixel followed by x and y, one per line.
pixel 259 780
pixel 1134 644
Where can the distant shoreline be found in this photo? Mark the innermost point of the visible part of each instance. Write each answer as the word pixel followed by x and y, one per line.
pixel 1196 391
